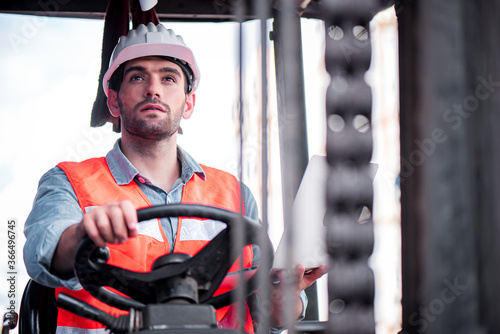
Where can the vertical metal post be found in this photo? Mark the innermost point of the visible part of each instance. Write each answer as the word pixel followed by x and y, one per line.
pixel 447 177
pixel 291 102
pixel 239 234
pixel 483 59
pixel 291 117
pixel 262 317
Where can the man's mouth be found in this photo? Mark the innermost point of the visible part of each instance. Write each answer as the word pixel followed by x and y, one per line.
pixel 152 107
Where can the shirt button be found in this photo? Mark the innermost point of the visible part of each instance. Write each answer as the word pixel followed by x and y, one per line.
pixel 141 180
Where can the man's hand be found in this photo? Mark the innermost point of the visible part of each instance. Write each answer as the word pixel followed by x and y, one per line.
pixel 301 279
pixel 111 223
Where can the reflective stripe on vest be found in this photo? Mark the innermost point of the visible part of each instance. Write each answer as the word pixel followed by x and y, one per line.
pixel 94 185
pixel 76 330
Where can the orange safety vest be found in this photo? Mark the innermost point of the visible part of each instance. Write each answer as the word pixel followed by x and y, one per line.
pixel 94 185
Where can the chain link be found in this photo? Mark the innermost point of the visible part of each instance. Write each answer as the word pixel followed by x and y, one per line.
pixel 349 150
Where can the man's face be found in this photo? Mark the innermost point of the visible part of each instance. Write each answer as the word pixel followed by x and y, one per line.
pixel 152 99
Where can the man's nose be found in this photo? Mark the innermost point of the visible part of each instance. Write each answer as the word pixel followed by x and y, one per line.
pixel 153 88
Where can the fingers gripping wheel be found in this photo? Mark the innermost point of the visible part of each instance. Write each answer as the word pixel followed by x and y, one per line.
pixel 203 272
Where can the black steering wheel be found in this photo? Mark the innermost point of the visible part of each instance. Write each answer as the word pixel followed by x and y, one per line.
pixel 207 268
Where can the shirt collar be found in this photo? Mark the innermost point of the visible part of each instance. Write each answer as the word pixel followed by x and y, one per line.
pixel 124 172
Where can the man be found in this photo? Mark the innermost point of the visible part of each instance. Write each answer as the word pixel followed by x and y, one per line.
pixel 150 85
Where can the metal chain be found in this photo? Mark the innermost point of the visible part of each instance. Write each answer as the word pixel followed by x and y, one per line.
pixel 349 149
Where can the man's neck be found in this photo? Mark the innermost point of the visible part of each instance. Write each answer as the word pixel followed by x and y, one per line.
pixel 156 160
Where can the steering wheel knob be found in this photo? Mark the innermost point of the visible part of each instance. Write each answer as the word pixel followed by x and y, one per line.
pixel 100 255
pixel 170 259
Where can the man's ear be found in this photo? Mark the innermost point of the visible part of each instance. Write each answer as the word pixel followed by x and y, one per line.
pixel 112 103
pixel 189 106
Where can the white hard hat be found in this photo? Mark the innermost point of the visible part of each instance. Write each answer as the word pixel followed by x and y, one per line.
pixel 153 40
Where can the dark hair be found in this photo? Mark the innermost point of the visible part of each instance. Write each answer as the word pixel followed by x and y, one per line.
pixel 116 79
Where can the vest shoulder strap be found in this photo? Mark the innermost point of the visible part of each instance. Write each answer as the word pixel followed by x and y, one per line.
pixel 94 185
pixel 220 189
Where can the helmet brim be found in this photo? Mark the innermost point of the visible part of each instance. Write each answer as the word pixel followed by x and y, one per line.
pixel 180 52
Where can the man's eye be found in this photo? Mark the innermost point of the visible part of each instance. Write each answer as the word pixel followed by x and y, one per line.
pixel 136 78
pixel 169 79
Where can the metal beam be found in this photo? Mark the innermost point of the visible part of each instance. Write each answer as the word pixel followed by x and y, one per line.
pixel 484 145
pixel 450 161
pixel 292 120
pixel 171 10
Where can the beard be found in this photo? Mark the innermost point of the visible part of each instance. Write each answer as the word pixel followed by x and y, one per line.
pixel 153 127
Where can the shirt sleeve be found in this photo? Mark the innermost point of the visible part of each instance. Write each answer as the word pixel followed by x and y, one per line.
pixel 251 209
pixel 55 208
